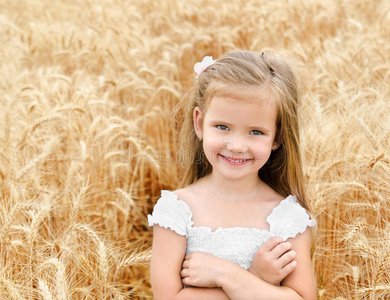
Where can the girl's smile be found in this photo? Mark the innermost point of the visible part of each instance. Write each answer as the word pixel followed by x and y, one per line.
pixel 235 161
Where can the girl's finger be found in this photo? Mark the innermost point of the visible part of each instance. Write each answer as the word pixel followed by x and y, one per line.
pixel 186 264
pixel 280 249
pixel 271 243
pixel 186 281
pixel 286 258
pixel 188 256
pixel 288 268
pixel 184 273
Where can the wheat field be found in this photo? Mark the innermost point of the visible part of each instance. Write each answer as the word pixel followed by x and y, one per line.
pixel 87 89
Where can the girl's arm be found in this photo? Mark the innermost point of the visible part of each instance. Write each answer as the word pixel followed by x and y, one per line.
pixel 168 252
pixel 239 283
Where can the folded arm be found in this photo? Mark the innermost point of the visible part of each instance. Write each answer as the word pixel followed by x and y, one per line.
pixel 217 278
pixel 167 258
pixel 205 270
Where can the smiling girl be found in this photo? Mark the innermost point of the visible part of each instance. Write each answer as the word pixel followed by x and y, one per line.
pixel 239 227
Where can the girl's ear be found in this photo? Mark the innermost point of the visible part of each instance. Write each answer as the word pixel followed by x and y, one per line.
pixel 198 122
pixel 277 142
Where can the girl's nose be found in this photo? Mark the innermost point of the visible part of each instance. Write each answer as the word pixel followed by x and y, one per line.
pixel 234 144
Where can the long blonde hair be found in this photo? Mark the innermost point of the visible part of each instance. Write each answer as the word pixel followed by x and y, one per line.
pixel 245 68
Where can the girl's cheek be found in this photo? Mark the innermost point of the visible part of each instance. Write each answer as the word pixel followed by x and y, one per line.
pixel 260 155
pixel 214 141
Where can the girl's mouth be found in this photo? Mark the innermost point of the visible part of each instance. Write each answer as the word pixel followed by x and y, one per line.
pixel 235 161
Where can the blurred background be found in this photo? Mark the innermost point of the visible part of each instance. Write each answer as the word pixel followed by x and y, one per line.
pixel 87 89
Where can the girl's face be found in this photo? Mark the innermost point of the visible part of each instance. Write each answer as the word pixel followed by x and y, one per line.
pixel 238 132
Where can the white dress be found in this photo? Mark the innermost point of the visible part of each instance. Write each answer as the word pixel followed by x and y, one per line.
pixel 237 244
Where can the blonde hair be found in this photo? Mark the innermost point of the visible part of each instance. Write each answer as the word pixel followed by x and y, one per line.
pixel 245 68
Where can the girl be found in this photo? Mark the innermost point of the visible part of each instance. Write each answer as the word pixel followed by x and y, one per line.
pixel 223 235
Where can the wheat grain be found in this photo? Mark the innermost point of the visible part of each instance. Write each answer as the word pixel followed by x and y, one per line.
pixel 368 133
pixel 10 290
pixel 354 230
pixel 70 108
pixel 61 291
pixel 44 120
pixel 355 274
pixel 44 290
pixel 47 150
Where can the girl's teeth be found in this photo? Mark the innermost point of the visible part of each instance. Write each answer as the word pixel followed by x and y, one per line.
pixel 236 160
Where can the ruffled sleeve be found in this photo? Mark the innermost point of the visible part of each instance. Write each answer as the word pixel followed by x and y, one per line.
pixel 288 219
pixel 169 212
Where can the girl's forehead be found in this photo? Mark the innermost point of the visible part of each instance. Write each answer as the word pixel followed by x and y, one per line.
pixel 220 105
pixel 246 93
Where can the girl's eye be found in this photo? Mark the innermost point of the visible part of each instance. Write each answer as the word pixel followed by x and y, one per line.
pixel 256 132
pixel 222 127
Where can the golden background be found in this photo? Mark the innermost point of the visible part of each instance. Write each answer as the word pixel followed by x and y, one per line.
pixel 86 143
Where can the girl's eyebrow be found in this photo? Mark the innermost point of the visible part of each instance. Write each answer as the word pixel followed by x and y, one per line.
pixel 261 128
pixel 221 122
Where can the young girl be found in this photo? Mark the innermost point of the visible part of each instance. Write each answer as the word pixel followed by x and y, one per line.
pixel 224 234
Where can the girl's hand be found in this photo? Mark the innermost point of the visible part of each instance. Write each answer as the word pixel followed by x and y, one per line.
pixel 274 261
pixel 201 269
